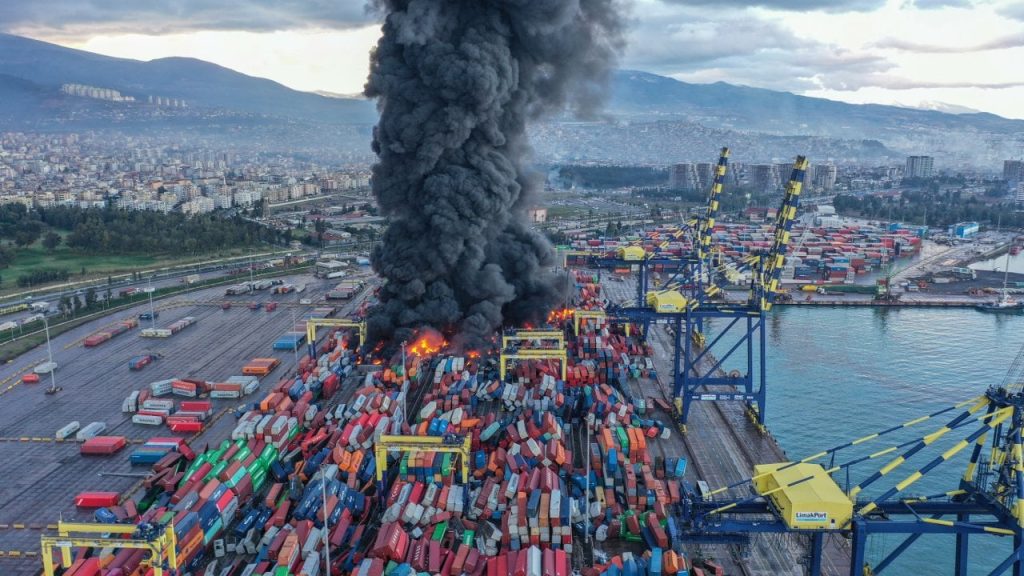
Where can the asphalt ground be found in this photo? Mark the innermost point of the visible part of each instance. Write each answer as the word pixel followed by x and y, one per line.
pixel 40 477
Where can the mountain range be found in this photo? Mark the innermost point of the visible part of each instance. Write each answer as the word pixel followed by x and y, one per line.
pixel 32 72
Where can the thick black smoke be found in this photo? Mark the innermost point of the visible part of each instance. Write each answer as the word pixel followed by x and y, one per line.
pixel 456 83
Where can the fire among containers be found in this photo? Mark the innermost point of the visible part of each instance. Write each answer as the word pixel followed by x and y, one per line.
pixel 298 473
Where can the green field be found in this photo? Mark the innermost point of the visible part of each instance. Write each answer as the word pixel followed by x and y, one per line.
pixel 36 257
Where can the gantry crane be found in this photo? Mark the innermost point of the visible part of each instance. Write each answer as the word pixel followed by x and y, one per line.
pixel 160 541
pixel 688 266
pixel 807 498
pixel 451 444
pixel 745 321
pixel 313 323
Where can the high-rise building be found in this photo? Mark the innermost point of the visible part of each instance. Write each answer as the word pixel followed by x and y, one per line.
pixel 1013 170
pixel 705 175
pixel 764 177
pixel 683 177
pixel 824 177
pixel 786 171
pixel 1020 193
pixel 919 167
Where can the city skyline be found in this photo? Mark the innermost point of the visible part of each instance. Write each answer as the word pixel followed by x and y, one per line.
pixel 860 51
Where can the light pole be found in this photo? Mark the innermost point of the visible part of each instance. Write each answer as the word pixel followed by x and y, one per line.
pixel 152 314
pixel 323 496
pixel 295 344
pixel 49 353
pixel 405 377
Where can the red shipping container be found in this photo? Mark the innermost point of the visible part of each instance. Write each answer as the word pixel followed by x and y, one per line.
pixel 96 499
pixel 103 445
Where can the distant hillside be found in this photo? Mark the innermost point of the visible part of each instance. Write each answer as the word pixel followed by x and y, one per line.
pixel 956 140
pixel 654 117
pixel 200 83
pixel 743 108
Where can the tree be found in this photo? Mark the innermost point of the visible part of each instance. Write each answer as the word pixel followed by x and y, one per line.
pixel 25 237
pixel 90 298
pixel 51 240
pixel 6 256
pixel 320 225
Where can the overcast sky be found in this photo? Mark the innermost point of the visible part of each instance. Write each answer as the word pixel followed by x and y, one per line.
pixel 966 53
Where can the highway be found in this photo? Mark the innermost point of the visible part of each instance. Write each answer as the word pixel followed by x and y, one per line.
pixel 42 476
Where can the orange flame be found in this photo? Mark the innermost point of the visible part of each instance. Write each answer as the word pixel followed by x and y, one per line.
pixel 473 354
pixel 430 342
pixel 559 315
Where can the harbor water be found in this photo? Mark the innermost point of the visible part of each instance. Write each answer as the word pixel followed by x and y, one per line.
pixel 837 374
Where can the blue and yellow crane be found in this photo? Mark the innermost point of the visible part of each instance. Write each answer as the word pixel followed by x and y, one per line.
pixel 697 362
pixel 808 497
pixel 687 269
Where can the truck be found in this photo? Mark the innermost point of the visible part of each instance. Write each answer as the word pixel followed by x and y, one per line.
pixel 139 362
pixel 190 279
pixel 43 307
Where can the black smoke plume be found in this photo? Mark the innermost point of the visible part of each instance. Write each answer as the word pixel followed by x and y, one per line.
pixel 456 83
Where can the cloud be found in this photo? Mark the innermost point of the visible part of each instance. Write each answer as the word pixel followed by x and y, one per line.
pixel 740 50
pixel 1004 42
pixel 1015 11
pixel 790 5
pixel 844 83
pixel 937 4
pixel 166 16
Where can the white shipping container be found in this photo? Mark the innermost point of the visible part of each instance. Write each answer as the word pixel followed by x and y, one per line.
pixel 148 419
pixel 154 404
pixel 311 566
pixel 68 430
pixel 131 403
pixel 161 387
pixel 90 430
pixel 313 541
pixel 225 394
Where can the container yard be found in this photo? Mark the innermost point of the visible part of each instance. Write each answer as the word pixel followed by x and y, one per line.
pixel 555 453
pixel 238 448
pixel 40 434
pixel 819 256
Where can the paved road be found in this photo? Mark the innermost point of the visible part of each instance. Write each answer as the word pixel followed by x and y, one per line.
pixel 41 478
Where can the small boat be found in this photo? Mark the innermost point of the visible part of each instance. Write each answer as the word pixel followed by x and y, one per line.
pixel 1004 304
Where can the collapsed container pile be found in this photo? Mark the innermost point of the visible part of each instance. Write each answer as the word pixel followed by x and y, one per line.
pixel 147 407
pixel 553 464
pixel 97 338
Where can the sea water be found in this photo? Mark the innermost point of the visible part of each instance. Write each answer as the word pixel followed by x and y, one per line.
pixel 837 374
